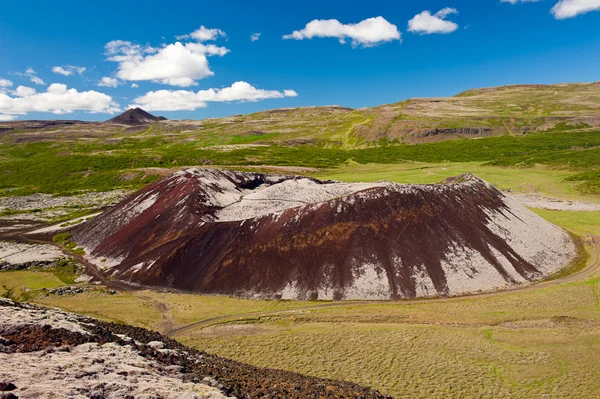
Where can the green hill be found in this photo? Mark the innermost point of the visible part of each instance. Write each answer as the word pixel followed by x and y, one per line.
pixel 556 126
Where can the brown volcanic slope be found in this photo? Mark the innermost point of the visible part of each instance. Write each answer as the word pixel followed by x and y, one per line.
pixel 270 236
pixel 134 117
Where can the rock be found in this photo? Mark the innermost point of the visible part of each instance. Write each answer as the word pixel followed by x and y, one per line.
pixel 210 381
pixel 156 345
pixel 99 364
pixel 7 386
pixel 67 291
pixel 463 131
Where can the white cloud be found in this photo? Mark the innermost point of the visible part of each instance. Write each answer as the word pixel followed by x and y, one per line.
pixel 175 64
pixel 203 34
pixel 178 100
pixel 367 33
pixel 32 75
pixel 108 82
pixel 5 83
pixel 68 70
pixel 6 118
pixel 37 80
pixel 58 99
pixel 134 86
pixel 571 8
pixel 518 1
pixel 208 49
pixel 24 91
pixel 426 24
pixel 255 36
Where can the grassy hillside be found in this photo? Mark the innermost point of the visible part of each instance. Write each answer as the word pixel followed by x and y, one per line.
pixel 71 166
pixel 475 113
pixel 515 126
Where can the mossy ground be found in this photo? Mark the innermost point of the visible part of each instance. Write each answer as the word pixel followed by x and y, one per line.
pixel 523 344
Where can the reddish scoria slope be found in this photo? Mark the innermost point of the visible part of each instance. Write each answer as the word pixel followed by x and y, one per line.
pixel 255 235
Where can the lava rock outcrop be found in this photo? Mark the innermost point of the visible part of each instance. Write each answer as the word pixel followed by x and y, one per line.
pixel 96 359
pixel 270 236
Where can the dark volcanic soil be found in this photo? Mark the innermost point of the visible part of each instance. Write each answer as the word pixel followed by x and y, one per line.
pixel 256 235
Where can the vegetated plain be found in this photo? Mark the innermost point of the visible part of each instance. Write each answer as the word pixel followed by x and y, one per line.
pixel 555 125
pixel 541 342
pixel 525 344
pixel 66 168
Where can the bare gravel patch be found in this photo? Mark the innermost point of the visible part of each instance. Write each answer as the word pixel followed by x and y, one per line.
pixel 554 204
pixel 15 253
pixel 44 201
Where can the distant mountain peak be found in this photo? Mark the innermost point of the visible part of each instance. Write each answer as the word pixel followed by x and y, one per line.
pixel 135 116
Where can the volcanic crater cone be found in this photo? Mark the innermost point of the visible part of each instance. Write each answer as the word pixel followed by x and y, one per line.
pixel 272 236
pixel 134 117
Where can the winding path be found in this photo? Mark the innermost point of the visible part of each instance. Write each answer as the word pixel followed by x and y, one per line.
pixel 590 270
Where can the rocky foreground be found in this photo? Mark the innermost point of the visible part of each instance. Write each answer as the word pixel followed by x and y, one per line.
pixel 47 353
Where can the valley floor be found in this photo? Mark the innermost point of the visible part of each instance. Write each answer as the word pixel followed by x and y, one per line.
pixel 538 342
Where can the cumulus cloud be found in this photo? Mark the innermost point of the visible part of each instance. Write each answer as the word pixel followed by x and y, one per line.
pixel 6 118
pixel 176 64
pixel 367 33
pixel 68 70
pixel 178 100
pixel 32 75
pixel 255 36
pixel 24 91
pixel 203 34
pixel 571 8
pixel 57 99
pixel 134 86
pixel 518 1
pixel 107 81
pixel 5 83
pixel 426 24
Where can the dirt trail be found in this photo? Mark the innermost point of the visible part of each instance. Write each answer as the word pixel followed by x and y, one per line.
pixel 162 308
pixel 594 267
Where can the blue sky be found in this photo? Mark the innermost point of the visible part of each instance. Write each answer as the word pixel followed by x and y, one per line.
pixel 468 44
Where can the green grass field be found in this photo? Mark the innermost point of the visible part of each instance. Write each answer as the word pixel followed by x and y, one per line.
pixel 69 167
pixel 525 344
pixel 544 180
pixel 541 343
pixel 582 223
pixel 144 308
pixel 544 358
pixel 21 284
pixel 532 344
